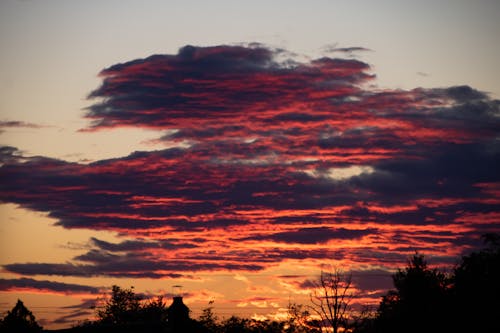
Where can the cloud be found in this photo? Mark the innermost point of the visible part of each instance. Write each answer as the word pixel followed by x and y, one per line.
pixel 138 245
pixel 372 279
pixel 27 284
pixel 302 158
pixel 314 235
pixel 257 301
pixel 369 283
pixel 12 124
pixel 16 123
pixel 81 311
pixel 131 266
pixel 71 317
pixel 211 87
pixel 9 154
pixel 349 50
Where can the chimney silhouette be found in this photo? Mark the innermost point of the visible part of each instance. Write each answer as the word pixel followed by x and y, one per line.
pixel 178 312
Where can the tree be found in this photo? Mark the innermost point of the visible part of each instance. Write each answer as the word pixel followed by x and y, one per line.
pixel 125 311
pixel 331 300
pixel 208 320
pixel 19 319
pixel 154 312
pixel 299 320
pixel 235 324
pixel 419 303
pixel 363 321
pixel 121 308
pixel 476 291
pixel 265 326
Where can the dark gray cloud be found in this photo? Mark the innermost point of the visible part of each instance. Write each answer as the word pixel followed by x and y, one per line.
pixel 314 235
pixel 214 85
pixel 372 279
pixel 334 48
pixel 18 124
pixel 97 262
pixel 44 285
pixel 138 245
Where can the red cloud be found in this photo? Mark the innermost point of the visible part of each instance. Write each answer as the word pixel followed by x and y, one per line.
pixel 281 160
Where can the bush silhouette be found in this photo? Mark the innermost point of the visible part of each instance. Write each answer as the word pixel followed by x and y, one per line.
pixel 19 319
pixel 476 293
pixel 419 303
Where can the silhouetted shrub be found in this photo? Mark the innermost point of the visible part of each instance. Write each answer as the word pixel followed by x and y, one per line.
pixel 18 320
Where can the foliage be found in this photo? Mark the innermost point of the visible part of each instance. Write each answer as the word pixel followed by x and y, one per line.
pixel 125 311
pixel 236 324
pixel 19 319
pixel 209 320
pixel 121 308
pixel 419 302
pixel 426 300
pixel 154 311
pixel 476 292
pixel 299 320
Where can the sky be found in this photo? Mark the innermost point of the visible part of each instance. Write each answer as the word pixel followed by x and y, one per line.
pixel 238 148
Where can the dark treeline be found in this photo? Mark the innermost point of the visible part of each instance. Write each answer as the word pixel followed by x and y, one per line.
pixel 423 300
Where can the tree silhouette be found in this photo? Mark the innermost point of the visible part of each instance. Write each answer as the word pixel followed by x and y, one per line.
pixel 476 294
pixel 19 319
pixel 299 320
pixel 208 319
pixel 419 303
pixel 154 313
pixel 331 299
pixel 235 324
pixel 121 308
pixel 125 311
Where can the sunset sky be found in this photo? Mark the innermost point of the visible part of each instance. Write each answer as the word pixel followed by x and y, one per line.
pixel 237 148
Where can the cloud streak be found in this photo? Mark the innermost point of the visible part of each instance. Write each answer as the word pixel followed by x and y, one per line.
pixel 27 284
pixel 16 124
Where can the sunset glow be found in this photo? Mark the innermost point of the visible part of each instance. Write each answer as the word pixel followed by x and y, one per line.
pixel 260 167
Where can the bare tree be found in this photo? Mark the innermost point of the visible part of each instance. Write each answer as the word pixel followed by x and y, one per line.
pixel 331 300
